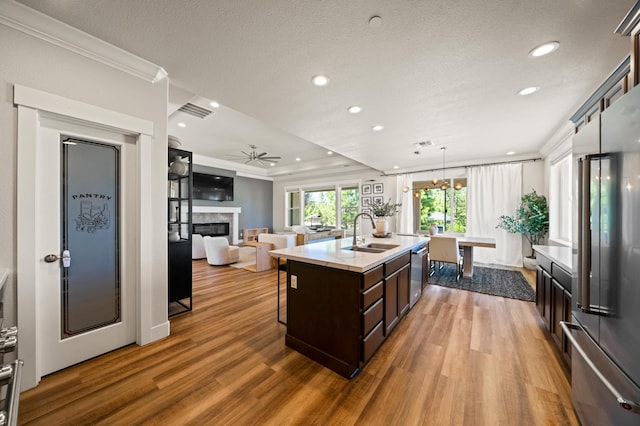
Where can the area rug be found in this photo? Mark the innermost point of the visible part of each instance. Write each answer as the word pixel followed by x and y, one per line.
pixel 497 282
pixel 247 257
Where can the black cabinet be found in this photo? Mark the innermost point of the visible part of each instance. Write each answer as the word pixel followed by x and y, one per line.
pixel 179 206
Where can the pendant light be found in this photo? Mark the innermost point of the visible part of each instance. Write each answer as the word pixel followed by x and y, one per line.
pixel 444 180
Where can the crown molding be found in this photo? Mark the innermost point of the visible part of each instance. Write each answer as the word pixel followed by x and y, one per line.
pixel 630 21
pixel 564 133
pixel 43 27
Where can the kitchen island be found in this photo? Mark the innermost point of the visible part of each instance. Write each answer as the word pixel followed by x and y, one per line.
pixel 342 303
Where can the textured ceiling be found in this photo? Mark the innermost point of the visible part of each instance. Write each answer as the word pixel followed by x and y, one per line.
pixel 441 70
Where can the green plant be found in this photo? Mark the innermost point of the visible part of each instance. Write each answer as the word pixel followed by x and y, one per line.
pixel 531 219
pixel 384 209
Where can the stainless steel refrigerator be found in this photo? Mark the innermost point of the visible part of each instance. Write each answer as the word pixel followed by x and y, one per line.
pixel 605 327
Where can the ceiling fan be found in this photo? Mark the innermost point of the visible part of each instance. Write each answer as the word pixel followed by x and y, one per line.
pixel 254 156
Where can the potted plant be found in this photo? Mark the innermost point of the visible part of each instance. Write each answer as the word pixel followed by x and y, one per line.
pixel 382 211
pixel 531 219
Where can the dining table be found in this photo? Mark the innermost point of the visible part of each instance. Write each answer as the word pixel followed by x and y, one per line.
pixel 468 243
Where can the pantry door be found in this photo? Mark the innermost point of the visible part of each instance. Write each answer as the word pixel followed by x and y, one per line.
pixel 87 285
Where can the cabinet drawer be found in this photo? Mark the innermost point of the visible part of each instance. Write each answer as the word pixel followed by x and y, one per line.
pixel 371 295
pixel 394 264
pixel 372 342
pixel 371 317
pixel 372 277
pixel 543 262
pixel 562 276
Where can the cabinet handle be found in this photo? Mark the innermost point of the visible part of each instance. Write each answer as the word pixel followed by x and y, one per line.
pixel 624 403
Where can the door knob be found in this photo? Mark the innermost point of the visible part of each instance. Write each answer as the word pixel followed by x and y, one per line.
pixel 66 258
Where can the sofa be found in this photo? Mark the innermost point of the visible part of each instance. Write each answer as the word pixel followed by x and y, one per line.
pixel 279 241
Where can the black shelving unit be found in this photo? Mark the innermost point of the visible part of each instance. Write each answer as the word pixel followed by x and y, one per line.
pixel 179 207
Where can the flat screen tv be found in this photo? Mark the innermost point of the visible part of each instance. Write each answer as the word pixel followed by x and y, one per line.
pixel 212 187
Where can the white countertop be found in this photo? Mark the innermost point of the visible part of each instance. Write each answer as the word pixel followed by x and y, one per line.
pixel 563 256
pixel 331 254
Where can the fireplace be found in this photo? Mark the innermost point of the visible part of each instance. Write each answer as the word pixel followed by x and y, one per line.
pixel 218 229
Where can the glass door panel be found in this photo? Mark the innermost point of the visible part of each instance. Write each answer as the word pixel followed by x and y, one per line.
pixel 90 232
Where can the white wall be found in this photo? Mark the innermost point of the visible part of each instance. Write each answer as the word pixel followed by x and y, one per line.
pixel 31 62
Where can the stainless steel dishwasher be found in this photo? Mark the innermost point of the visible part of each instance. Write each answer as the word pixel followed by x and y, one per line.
pixel 418 265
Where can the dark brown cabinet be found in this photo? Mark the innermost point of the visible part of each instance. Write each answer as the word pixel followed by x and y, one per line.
pixel 553 300
pixel 397 287
pixel 339 318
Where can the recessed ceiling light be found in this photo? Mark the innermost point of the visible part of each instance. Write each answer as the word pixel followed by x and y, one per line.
pixel 377 128
pixel 354 109
pixel 544 49
pixel 511 152
pixel 214 104
pixel 181 124
pixel 298 159
pixel 272 164
pixel 329 152
pixel 528 90
pixel 375 21
pixel 397 167
pixel 319 80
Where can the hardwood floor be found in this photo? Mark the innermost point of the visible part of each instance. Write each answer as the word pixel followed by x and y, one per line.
pixel 458 358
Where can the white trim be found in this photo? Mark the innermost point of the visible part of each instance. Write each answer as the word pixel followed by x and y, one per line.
pixel 28 124
pixel 255 172
pixel 565 132
pixel 252 176
pixel 44 27
pixel 26 245
pixel 43 101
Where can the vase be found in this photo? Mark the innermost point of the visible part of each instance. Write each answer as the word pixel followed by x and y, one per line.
pixel 178 167
pixel 433 229
pixel 382 226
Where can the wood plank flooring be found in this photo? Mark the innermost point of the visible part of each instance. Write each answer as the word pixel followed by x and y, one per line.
pixel 458 358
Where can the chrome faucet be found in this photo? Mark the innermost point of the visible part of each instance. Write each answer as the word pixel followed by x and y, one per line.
pixel 355 222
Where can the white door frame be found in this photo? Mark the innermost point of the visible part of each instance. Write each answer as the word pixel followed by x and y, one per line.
pixel 30 103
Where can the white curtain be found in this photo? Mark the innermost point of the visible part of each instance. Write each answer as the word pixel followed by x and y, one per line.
pixel 405 217
pixel 493 191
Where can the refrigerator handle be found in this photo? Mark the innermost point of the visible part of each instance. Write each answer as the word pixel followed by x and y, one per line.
pixel 624 403
pixel 584 234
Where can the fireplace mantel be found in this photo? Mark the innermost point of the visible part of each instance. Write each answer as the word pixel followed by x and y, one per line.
pixel 234 211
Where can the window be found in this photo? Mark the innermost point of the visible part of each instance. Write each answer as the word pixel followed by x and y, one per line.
pixel 446 208
pixel 349 207
pixel 293 208
pixel 560 200
pixel 321 208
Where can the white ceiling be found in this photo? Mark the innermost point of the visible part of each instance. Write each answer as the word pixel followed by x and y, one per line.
pixel 441 70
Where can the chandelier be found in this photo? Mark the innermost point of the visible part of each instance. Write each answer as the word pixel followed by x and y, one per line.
pixel 444 179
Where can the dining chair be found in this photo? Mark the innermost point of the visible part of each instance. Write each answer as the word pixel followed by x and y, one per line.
pixel 445 249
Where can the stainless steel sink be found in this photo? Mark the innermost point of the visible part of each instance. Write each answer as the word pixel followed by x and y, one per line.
pixel 371 247
pixel 381 246
pixel 364 249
